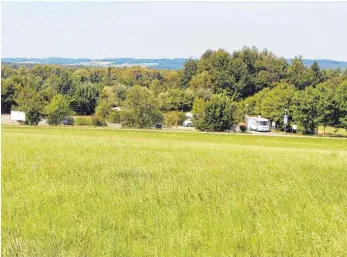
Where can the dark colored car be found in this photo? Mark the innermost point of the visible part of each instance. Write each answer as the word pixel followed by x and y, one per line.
pixel 158 126
pixel 68 121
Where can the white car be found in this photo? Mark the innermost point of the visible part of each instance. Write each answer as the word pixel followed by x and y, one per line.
pixel 188 123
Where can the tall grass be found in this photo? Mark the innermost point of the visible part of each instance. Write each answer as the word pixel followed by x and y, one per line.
pixel 100 192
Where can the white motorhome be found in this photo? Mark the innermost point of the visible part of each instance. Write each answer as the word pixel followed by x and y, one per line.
pixel 258 124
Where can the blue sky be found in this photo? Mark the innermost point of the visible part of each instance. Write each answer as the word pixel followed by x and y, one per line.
pixel 172 29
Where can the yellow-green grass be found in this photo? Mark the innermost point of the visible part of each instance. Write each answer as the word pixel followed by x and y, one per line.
pixel 104 192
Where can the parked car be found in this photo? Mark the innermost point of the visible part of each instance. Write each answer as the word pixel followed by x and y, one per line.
pixel 188 123
pixel 158 126
pixel 68 121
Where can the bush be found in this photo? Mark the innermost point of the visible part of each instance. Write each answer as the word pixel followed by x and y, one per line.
pixel 243 127
pixel 171 119
pixel 98 122
pixel 33 117
pixel 218 114
pixel 89 121
pixel 83 121
pixel 114 117
pixel 130 118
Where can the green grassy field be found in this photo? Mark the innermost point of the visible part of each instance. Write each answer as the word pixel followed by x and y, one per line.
pixel 103 192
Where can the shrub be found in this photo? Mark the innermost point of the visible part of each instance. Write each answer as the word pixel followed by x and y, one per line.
pixel 98 122
pixel 89 121
pixel 130 118
pixel 33 117
pixel 114 117
pixel 218 114
pixel 83 121
pixel 243 127
pixel 171 119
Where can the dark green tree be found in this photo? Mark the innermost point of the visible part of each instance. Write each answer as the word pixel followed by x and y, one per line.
pixel 341 95
pixel 299 75
pixel 189 70
pixel 317 76
pixel 85 99
pixel 9 88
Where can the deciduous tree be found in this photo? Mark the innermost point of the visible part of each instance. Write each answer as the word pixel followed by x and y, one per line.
pixel 140 109
pixel 57 109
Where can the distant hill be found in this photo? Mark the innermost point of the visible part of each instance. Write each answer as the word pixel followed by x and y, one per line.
pixel 171 64
pixel 325 64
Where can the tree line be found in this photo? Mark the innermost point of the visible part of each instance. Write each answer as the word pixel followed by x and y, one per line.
pixel 220 89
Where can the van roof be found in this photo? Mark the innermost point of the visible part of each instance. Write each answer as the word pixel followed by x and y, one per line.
pixel 257 118
pixel 262 119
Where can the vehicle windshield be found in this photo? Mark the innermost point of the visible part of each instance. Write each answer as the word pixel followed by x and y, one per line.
pixel 263 123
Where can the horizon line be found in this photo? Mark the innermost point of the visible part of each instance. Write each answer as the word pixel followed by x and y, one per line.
pixel 159 58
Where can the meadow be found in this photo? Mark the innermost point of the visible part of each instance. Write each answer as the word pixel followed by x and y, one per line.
pixel 107 192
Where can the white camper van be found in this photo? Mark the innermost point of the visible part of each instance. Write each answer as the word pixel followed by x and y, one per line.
pixel 258 124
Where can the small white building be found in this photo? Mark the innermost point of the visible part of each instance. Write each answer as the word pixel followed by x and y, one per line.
pixel 257 123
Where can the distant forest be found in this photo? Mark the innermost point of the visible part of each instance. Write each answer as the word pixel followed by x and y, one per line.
pixel 220 89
